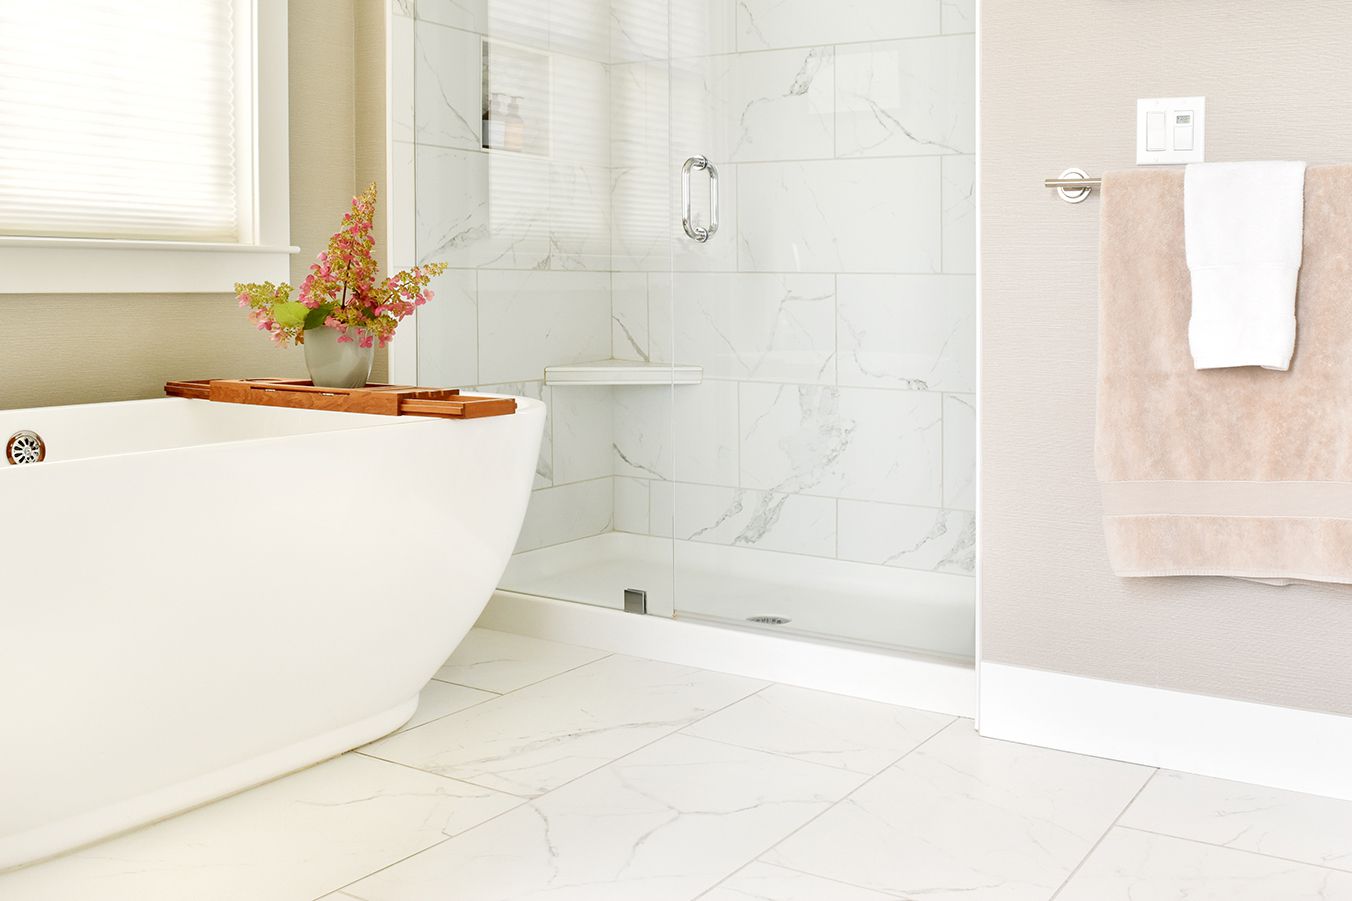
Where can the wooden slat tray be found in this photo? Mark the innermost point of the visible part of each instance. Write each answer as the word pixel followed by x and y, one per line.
pixel 384 400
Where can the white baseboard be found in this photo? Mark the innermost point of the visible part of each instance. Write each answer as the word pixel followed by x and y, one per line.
pixel 1299 750
pixel 893 679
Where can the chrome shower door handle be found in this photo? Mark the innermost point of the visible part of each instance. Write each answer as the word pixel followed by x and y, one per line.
pixel 698 232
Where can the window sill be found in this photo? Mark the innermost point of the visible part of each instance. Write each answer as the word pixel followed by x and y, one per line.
pixel 91 266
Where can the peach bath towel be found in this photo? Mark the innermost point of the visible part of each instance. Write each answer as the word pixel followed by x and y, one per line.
pixel 1222 472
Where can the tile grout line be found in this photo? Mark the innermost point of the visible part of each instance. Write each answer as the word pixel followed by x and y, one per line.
pixel 1094 847
pixel 830 807
pixel 529 801
pixel 1198 841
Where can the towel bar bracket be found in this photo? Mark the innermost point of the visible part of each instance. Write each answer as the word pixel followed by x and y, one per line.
pixel 1073 185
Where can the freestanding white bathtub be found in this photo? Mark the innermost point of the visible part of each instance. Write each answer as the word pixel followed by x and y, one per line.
pixel 196 597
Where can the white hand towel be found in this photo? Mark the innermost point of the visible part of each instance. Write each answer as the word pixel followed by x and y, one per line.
pixel 1243 224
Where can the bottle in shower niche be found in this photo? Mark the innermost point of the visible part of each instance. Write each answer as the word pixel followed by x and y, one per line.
pixel 495 123
pixel 514 137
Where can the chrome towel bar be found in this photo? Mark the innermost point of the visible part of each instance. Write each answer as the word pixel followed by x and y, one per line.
pixel 1073 185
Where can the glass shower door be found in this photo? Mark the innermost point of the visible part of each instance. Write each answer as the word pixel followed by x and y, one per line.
pixel 822 468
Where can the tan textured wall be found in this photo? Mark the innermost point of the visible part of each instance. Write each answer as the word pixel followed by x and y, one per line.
pixel 62 349
pixel 1275 77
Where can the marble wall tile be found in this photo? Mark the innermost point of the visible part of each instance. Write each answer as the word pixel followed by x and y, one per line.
pixel 906 97
pixel 447 74
pixel 662 824
pixel 538 390
pixel 629 316
pixel 476 209
pixel 759 326
pixel 631 505
pixel 530 320
pixel 688 432
pixel 471 15
pixel 702 27
pixel 960 451
pixel 579 111
pixel 959 213
pixel 402 197
pixel 580 28
pixel 523 22
pixel 661 508
pixel 403 61
pixel 875 215
pixel 638 30
pixel 958 16
pixel 781 105
pixel 448 331
pixel 641 199
pixel 738 517
pixel 914 332
pixel 908 537
pixel 793 23
pixel 566 513
pixel 842 442
pixel 583 432
pixel 579 217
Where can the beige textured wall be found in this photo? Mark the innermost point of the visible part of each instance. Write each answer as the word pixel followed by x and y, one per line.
pixel 1275 76
pixel 61 349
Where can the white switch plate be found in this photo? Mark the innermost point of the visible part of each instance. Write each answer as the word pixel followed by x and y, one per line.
pixel 1184 120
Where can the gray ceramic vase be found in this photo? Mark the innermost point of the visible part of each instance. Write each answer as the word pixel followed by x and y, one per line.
pixel 336 364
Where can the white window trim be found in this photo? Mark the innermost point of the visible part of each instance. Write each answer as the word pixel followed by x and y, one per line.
pixel 31 265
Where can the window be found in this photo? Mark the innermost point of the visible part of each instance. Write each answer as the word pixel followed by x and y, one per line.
pixel 142 145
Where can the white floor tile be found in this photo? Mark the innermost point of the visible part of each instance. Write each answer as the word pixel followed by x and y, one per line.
pixel 967 818
pixel 762 882
pixel 663 824
pixel 862 736
pixel 295 838
pixel 1140 866
pixel 501 661
pixel 440 698
pixel 538 738
pixel 1264 820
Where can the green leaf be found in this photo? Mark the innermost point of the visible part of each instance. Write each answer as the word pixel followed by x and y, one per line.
pixel 315 318
pixel 290 314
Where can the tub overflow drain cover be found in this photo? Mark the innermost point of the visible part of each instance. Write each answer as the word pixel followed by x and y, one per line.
pixel 25 447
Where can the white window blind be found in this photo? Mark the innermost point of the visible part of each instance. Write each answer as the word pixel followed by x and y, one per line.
pixel 120 120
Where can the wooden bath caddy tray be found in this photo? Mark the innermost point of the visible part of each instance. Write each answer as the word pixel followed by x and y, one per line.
pixel 385 400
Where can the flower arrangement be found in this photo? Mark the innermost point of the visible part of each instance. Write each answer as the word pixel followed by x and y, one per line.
pixel 342 291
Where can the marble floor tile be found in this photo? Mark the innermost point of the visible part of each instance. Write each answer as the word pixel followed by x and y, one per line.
pixel 853 734
pixel 662 824
pixel 441 698
pixel 762 882
pixel 1246 817
pixel 1140 866
pixel 967 818
pixel 503 662
pixel 542 736
pixel 298 837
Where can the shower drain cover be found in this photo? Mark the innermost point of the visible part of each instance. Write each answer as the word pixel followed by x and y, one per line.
pixel 768 620
pixel 25 447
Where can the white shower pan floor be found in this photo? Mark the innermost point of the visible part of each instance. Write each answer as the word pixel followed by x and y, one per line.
pixel 882 608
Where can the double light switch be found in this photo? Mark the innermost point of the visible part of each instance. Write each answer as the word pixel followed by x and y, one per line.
pixel 1170 130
